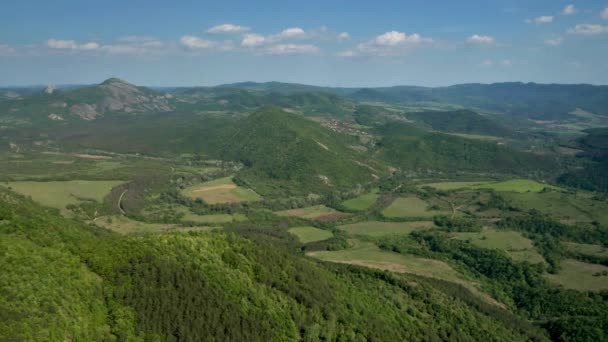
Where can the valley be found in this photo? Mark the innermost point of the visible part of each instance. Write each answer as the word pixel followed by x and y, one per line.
pixel 271 211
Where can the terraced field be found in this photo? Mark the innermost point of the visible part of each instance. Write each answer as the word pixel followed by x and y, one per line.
pixel 377 228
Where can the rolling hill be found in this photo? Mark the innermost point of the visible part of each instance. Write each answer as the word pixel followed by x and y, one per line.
pixel 460 121
pixel 284 152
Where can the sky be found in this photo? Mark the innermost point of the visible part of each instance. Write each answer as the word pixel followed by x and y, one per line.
pixel 351 43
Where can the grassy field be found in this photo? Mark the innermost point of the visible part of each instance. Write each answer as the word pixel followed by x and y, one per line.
pixel 377 228
pixel 580 276
pixel 61 193
pixel 310 234
pixel 518 185
pixel 513 243
pixel 124 225
pixel 221 190
pixel 317 212
pixel 214 218
pixel 410 207
pixel 455 185
pixel 583 248
pixel 369 255
pixel 362 202
pixel 565 207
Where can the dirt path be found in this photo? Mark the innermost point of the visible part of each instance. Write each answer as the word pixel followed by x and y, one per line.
pixel 120 201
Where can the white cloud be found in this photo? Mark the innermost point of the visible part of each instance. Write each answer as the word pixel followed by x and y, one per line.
pixel 61 44
pixel 228 28
pixel 588 29
pixel 342 36
pixel 292 49
pixel 292 32
pixel 251 40
pixel 6 50
pixel 490 63
pixel 391 43
pixel 487 63
pixel 70 45
pixel 555 41
pixel 569 10
pixel 347 53
pixel 480 39
pixel 604 13
pixel 196 43
pixel 545 19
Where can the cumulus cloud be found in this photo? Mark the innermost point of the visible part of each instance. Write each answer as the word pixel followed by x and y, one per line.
pixel 196 43
pixel 228 28
pixel 604 13
pixel 554 41
pixel 569 10
pixel 70 45
pixel 391 43
pixel 342 36
pixel 544 19
pixel 252 39
pixel 292 49
pixel 292 32
pixel 480 39
pixel 490 63
pixel 588 29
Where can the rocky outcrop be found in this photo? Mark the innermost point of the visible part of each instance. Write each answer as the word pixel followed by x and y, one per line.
pixel 85 111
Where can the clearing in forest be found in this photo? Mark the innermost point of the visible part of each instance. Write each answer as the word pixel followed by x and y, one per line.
pixel 221 190
pixel 587 249
pixel 517 246
pixel 362 202
pixel 411 207
pixel 369 255
pixel 59 194
pixel 581 276
pixel 310 234
pixel 124 225
pixel 377 228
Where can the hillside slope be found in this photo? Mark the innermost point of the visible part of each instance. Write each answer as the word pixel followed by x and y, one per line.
pixel 90 284
pixel 284 152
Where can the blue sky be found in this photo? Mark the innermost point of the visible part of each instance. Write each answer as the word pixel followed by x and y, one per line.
pixel 336 43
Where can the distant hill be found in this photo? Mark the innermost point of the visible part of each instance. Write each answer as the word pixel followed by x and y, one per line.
pixel 412 148
pixel 86 103
pixel 460 121
pixel 593 176
pixel 286 153
pixel 538 101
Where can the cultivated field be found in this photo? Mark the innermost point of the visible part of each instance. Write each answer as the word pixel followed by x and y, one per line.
pixel 517 246
pixel 317 212
pixel 518 185
pixel 581 276
pixel 362 202
pixel 377 228
pixel 124 225
pixel 59 194
pixel 455 185
pixel 214 218
pixel 310 234
pixel 410 207
pixel 221 190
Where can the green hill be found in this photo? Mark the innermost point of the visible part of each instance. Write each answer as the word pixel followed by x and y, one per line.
pixel 412 148
pixel 460 121
pixel 62 280
pixel 284 152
